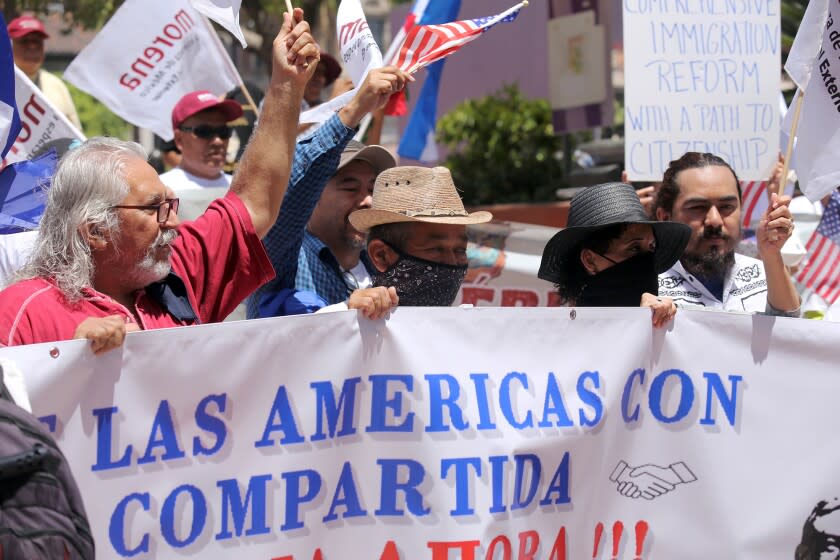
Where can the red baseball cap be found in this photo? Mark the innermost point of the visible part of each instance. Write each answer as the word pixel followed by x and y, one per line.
pixel 24 25
pixel 198 101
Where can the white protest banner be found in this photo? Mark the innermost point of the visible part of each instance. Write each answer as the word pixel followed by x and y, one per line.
pixel 41 123
pixel 701 76
pixel 818 135
pixel 359 55
pixel 451 433
pixel 148 55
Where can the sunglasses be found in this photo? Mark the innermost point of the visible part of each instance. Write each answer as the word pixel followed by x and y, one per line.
pixel 208 132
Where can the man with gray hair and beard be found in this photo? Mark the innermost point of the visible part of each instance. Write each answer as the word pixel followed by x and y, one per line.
pixel 111 256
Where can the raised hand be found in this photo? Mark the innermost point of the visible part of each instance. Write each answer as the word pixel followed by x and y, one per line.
pixel 775 227
pixel 373 94
pixel 295 52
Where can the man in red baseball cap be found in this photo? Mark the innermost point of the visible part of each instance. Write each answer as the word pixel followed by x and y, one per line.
pixel 28 34
pixel 200 124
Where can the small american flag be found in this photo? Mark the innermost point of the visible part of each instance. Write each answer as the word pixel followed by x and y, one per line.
pixel 821 271
pixel 424 44
pixel 754 201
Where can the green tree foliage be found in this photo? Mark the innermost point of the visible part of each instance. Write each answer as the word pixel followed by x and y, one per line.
pixel 502 148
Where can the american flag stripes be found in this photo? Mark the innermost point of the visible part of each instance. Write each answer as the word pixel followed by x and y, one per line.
pixel 424 44
pixel 754 201
pixel 821 271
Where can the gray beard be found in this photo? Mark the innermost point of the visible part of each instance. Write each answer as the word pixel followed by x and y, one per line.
pixel 711 266
pixel 150 269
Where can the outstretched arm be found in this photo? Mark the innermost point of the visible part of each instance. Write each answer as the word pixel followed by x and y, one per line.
pixel 266 164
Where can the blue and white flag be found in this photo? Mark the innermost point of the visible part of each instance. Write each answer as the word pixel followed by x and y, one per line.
pixel 418 140
pixel 23 187
pixel 9 118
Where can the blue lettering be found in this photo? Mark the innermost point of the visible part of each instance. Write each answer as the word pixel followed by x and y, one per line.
pixel 286 423
pixel 437 402
pixel 163 435
pixel 294 497
pixel 390 487
pixel 232 503
pixel 326 405
pixel 380 404
pixel 506 404
pixel 554 405
pixel 559 484
pixel 483 401
pixel 104 438
pixel 728 401
pixel 625 396
pixel 116 528
pixel 462 486
pixel 520 462
pixel 686 396
pixel 347 495
pixel 167 516
pixel 211 424
pixel 590 397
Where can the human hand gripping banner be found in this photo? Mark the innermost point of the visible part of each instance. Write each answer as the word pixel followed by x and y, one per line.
pixel 479 433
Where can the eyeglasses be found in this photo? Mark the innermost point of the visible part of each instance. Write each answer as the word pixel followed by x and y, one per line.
pixel 163 209
pixel 208 132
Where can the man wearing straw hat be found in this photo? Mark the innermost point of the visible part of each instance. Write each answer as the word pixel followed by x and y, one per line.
pixel 417 243
pixel 417 234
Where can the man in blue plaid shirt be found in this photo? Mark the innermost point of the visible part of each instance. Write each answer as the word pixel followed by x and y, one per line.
pixel 318 256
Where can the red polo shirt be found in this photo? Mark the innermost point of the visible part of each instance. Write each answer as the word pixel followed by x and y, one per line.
pixel 218 256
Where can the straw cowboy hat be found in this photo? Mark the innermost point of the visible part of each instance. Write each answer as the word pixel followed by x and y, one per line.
pixel 415 194
pixel 601 206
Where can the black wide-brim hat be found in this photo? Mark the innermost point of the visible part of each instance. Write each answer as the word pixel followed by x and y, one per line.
pixel 604 205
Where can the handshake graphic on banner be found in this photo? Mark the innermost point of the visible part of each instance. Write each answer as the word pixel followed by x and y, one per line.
pixel 650 481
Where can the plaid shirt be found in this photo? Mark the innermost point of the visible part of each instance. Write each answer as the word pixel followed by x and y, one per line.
pixel 289 246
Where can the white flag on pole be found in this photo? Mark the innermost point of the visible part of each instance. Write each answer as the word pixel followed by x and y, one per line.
pixel 806 45
pixel 359 54
pixel 818 136
pixel 223 12
pixel 149 55
pixel 41 123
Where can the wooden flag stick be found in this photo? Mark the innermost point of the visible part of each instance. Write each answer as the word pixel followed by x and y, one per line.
pixel 289 7
pixel 791 138
pixel 232 66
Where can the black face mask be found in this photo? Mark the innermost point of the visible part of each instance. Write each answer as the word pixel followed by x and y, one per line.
pixel 420 282
pixel 621 285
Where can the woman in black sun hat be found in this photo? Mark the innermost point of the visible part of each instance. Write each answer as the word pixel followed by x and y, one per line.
pixel 611 253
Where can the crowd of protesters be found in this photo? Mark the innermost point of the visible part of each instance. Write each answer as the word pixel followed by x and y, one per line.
pixel 320 222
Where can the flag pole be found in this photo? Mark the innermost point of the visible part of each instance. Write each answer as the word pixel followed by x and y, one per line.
pixel 791 139
pixel 230 64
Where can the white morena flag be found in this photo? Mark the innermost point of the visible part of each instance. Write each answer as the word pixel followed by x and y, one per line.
pixel 41 124
pixel 817 145
pixel 806 45
pixel 223 12
pixel 359 54
pixel 149 55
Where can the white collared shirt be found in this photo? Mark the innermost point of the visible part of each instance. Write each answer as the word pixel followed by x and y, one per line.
pixel 744 288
